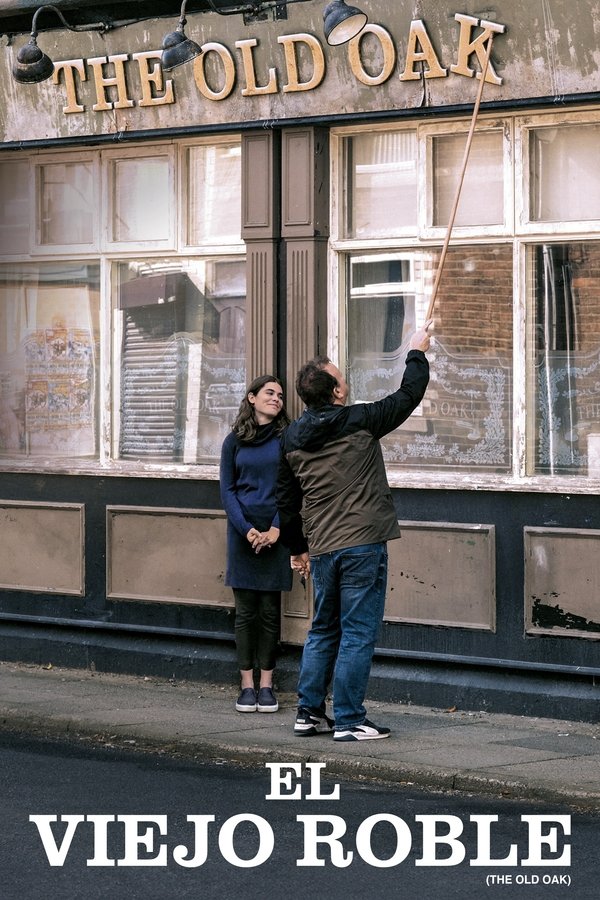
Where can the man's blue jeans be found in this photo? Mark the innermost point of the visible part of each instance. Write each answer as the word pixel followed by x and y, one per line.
pixel 349 587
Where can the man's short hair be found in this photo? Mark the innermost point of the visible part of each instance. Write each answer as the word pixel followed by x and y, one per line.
pixel 314 385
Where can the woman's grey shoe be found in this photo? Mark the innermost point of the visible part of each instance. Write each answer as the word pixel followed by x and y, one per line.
pixel 246 702
pixel 267 701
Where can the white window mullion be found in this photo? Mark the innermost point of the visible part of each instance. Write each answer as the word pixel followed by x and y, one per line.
pixel 106 354
pixel 519 390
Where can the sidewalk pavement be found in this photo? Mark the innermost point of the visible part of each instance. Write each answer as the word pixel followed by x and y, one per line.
pixel 449 750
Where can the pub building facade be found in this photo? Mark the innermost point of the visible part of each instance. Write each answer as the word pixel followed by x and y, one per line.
pixel 168 235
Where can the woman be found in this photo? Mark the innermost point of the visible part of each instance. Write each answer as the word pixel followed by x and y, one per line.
pixel 258 566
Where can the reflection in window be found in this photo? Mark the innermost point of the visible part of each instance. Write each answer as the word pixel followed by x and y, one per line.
pixel 565 358
pixel 182 356
pixel 381 316
pixel 214 192
pixel 49 339
pixel 565 179
pixel 465 418
pixel 381 191
pixel 482 194
pixel 66 198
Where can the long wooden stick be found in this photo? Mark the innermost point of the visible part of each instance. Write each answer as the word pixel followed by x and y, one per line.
pixel 440 267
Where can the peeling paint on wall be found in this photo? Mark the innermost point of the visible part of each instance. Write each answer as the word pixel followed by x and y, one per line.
pixel 546 616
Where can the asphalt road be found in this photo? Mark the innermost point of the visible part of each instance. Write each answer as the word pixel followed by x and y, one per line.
pixel 121 831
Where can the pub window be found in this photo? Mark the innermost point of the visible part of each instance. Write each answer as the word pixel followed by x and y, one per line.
pixel 141 191
pixel 482 194
pixel 182 356
pixel 66 207
pixel 564 358
pixel 465 418
pixel 136 352
pixel 49 351
pixel 380 184
pixel 14 195
pixel 564 175
pixel 213 173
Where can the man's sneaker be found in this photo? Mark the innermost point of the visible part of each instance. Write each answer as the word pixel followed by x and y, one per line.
pixel 267 701
pixel 309 723
pixel 367 731
pixel 246 702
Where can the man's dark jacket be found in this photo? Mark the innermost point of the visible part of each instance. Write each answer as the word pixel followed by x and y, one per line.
pixel 332 489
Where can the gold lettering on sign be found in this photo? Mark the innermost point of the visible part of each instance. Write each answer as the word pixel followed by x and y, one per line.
pixel 228 71
pixel 152 80
pixel 102 82
pixel 252 89
pixel 290 42
pixel 388 50
pixel 420 49
pixel 68 67
pixel 466 47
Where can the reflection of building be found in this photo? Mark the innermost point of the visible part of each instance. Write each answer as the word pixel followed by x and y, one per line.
pixel 166 236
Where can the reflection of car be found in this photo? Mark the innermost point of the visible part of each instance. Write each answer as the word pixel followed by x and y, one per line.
pixel 221 397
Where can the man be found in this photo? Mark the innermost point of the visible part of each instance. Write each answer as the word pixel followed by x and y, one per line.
pixel 336 505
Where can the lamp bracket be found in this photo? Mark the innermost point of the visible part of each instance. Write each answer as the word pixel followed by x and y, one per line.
pixel 92 26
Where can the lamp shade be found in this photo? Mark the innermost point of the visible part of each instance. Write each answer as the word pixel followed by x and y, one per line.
pixel 177 50
pixel 32 65
pixel 341 23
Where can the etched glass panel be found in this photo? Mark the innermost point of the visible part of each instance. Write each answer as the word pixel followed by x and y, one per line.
pixel 465 418
pixel 66 203
pixel 49 350
pixel 482 193
pixel 381 189
pixel 214 194
pixel 564 173
pixel 182 356
pixel 564 358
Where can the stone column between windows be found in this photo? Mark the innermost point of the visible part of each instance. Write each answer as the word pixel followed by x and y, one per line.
pixel 305 232
pixel 260 231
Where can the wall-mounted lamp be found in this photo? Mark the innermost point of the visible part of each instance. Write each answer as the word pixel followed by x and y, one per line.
pixel 32 65
pixel 341 23
pixel 177 47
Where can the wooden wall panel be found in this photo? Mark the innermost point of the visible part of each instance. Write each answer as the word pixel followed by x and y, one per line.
pixel 443 573
pixel 42 547
pixel 167 555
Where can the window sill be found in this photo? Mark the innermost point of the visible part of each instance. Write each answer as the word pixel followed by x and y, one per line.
pixel 408 480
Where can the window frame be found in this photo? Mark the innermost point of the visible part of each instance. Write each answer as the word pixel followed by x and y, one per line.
pixel 150 151
pixel 83 248
pixel 428 132
pixel 517 231
pixel 524 226
pixel 107 254
pixel 213 247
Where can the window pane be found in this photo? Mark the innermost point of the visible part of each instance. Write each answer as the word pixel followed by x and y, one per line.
pixel 141 199
pixel 565 179
pixel 14 198
pixel 564 358
pixel 66 204
pixel 381 192
pixel 482 194
pixel 49 340
pixel 214 192
pixel 182 356
pixel 465 418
